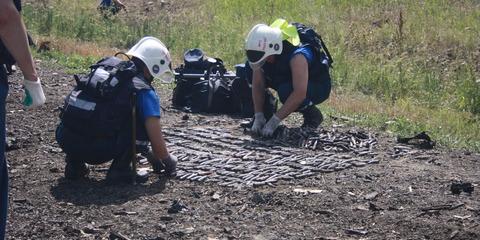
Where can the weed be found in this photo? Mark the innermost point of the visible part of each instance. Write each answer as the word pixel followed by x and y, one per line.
pixel 423 54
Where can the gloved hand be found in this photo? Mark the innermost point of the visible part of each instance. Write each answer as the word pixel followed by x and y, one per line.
pixel 170 164
pixel 271 125
pixel 258 123
pixel 157 166
pixel 34 96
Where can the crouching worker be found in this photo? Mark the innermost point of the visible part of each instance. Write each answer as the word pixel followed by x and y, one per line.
pixel 111 6
pixel 96 121
pixel 297 71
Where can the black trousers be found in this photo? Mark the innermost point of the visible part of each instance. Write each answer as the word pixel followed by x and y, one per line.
pixel 95 151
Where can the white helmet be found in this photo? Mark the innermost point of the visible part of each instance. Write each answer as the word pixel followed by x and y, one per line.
pixel 262 41
pixel 156 57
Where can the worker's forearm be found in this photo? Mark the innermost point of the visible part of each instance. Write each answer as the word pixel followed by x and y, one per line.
pixel 14 37
pixel 258 94
pixel 291 104
pixel 154 132
pixel 159 148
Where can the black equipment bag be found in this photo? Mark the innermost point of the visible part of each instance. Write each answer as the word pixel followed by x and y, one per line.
pixel 242 95
pixel 203 85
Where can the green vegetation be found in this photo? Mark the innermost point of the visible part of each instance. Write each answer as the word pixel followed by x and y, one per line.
pixel 72 62
pixel 417 57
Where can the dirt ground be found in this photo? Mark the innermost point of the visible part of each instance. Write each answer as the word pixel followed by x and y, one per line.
pixel 402 196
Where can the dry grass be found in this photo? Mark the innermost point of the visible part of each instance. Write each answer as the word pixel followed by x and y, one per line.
pixel 81 48
pixel 418 61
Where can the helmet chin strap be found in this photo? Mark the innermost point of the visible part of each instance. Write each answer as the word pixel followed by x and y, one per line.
pixel 147 75
pixel 150 79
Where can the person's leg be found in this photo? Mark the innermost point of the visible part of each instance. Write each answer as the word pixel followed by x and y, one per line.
pixel 3 161
pixel 317 92
pixel 80 150
pixel 121 171
pixel 75 167
pixel 122 161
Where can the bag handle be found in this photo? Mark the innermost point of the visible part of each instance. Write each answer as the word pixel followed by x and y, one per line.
pixel 124 54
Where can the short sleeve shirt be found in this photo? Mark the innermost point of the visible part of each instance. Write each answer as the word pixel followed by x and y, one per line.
pixel 305 51
pixel 148 105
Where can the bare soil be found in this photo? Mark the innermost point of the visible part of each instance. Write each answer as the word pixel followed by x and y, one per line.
pixel 403 196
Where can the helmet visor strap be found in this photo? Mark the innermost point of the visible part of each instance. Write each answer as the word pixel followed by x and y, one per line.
pixel 258 64
pixel 254 56
pixel 167 77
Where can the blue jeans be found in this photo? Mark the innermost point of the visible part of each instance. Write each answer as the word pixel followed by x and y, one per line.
pixel 3 161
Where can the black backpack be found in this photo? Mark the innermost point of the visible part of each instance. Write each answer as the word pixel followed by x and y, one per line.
pixel 100 105
pixel 309 36
pixel 203 85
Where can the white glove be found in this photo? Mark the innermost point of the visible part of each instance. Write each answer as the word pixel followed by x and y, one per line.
pixel 271 125
pixel 258 123
pixel 34 96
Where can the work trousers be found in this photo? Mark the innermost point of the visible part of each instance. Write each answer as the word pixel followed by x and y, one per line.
pixel 3 161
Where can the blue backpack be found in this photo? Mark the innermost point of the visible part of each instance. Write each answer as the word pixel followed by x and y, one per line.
pixel 100 105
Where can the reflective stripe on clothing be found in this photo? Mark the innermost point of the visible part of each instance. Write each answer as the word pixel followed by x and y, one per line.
pixel 141 143
pixel 79 103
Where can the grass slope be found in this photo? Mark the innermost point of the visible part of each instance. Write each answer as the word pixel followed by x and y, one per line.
pixel 401 66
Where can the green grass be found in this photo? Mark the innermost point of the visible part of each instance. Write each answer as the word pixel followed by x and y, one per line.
pixel 414 55
pixel 447 127
pixel 72 63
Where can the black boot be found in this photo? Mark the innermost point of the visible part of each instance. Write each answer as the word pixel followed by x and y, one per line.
pixel 117 176
pixel 312 117
pixel 75 169
pixel 120 171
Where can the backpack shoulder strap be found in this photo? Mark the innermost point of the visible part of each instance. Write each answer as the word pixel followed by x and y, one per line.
pixel 18 4
pixel 330 62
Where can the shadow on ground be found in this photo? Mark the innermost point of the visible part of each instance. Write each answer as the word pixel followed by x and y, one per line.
pixel 98 192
